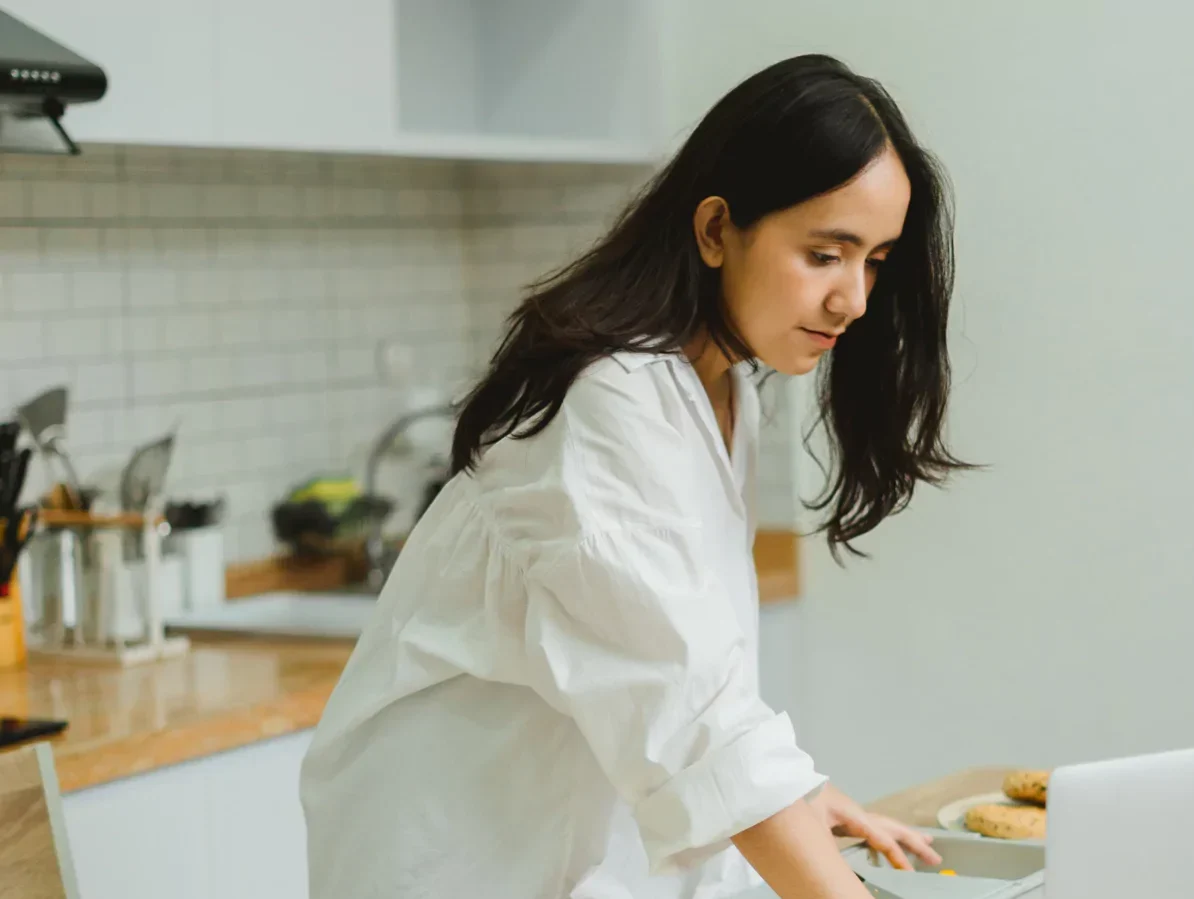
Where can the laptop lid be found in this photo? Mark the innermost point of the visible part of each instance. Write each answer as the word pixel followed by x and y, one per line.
pixel 1122 829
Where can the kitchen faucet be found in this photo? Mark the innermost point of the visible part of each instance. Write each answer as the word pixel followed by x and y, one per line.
pixel 375 551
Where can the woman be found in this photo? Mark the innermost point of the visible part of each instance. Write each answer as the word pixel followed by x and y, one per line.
pixel 557 695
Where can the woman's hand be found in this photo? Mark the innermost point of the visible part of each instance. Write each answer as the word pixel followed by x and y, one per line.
pixel 846 818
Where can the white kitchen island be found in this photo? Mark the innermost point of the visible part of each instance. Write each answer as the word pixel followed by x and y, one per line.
pixel 228 826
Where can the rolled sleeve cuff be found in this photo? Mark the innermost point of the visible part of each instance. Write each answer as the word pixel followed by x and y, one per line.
pixel 694 815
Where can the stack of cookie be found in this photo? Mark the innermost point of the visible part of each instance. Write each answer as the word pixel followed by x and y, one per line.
pixel 1024 820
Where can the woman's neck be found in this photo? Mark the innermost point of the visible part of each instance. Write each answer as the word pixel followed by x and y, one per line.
pixel 714 371
pixel 713 368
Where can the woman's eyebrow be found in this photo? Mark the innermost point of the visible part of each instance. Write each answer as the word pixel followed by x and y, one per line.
pixel 842 236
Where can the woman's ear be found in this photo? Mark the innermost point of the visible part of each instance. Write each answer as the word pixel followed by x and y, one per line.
pixel 711 223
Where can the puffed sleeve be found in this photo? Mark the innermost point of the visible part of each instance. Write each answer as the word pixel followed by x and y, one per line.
pixel 635 639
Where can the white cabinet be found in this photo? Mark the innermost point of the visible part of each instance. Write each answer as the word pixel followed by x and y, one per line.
pixel 530 79
pixel 567 80
pixel 140 837
pixel 158 55
pixel 306 74
pixel 229 825
pixel 256 834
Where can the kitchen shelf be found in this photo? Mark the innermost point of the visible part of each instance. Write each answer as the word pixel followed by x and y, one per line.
pixel 505 148
pixel 531 80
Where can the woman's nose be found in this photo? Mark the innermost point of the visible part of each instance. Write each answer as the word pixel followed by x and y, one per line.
pixel 849 298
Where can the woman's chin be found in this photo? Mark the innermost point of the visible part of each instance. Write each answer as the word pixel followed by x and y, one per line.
pixel 793 364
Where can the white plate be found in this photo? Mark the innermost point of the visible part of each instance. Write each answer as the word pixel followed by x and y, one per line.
pixel 953 816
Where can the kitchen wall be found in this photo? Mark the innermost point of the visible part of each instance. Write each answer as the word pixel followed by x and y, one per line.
pixel 1039 611
pixel 245 297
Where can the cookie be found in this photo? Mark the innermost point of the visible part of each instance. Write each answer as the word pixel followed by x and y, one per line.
pixel 1027 786
pixel 1007 822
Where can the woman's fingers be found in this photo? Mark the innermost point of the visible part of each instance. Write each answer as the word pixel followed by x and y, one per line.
pixel 913 840
pixel 882 841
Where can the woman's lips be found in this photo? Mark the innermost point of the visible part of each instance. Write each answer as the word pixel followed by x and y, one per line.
pixel 823 339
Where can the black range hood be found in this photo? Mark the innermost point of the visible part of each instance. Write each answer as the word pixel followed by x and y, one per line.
pixel 39 79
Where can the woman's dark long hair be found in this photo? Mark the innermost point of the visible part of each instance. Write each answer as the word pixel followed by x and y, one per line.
pixel 794 131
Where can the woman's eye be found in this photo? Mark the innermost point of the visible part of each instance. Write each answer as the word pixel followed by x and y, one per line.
pixel 875 263
pixel 824 258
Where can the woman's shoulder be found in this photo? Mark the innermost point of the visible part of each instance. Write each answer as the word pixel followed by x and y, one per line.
pixel 629 365
pixel 626 382
pixel 618 440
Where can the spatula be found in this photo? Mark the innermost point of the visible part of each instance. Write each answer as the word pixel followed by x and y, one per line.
pixel 44 417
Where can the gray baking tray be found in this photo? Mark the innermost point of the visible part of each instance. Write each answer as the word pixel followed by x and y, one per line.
pixel 986 869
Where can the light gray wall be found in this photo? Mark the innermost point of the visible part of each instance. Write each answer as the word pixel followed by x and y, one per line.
pixel 1041 611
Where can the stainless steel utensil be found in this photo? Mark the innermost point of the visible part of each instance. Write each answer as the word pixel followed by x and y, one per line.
pixel 62 585
pixel 141 482
pixel 145 475
pixel 44 417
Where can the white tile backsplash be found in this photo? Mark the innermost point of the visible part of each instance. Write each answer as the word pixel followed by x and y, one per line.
pixel 243 296
pixel 23 341
pixel 103 383
pixel 14 199
pixel 37 293
pixel 152 288
pixel 84 338
pixel 19 245
pixel 57 200
pixel 98 290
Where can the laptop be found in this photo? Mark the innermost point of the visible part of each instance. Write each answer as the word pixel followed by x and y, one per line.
pixel 1122 829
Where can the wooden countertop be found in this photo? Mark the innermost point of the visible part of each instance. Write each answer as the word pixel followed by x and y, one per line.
pixel 224 693
pixel 220 696
pixel 776 557
pixel 777 564
pixel 229 693
pixel 919 805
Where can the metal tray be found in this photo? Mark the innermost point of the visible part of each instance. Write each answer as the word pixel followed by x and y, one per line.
pixel 985 869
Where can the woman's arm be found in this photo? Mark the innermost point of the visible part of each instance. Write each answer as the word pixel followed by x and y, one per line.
pixel 798 857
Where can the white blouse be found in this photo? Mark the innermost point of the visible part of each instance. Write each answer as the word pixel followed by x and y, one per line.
pixel 557 694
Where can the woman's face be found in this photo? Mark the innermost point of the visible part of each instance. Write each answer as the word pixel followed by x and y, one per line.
pixel 796 279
